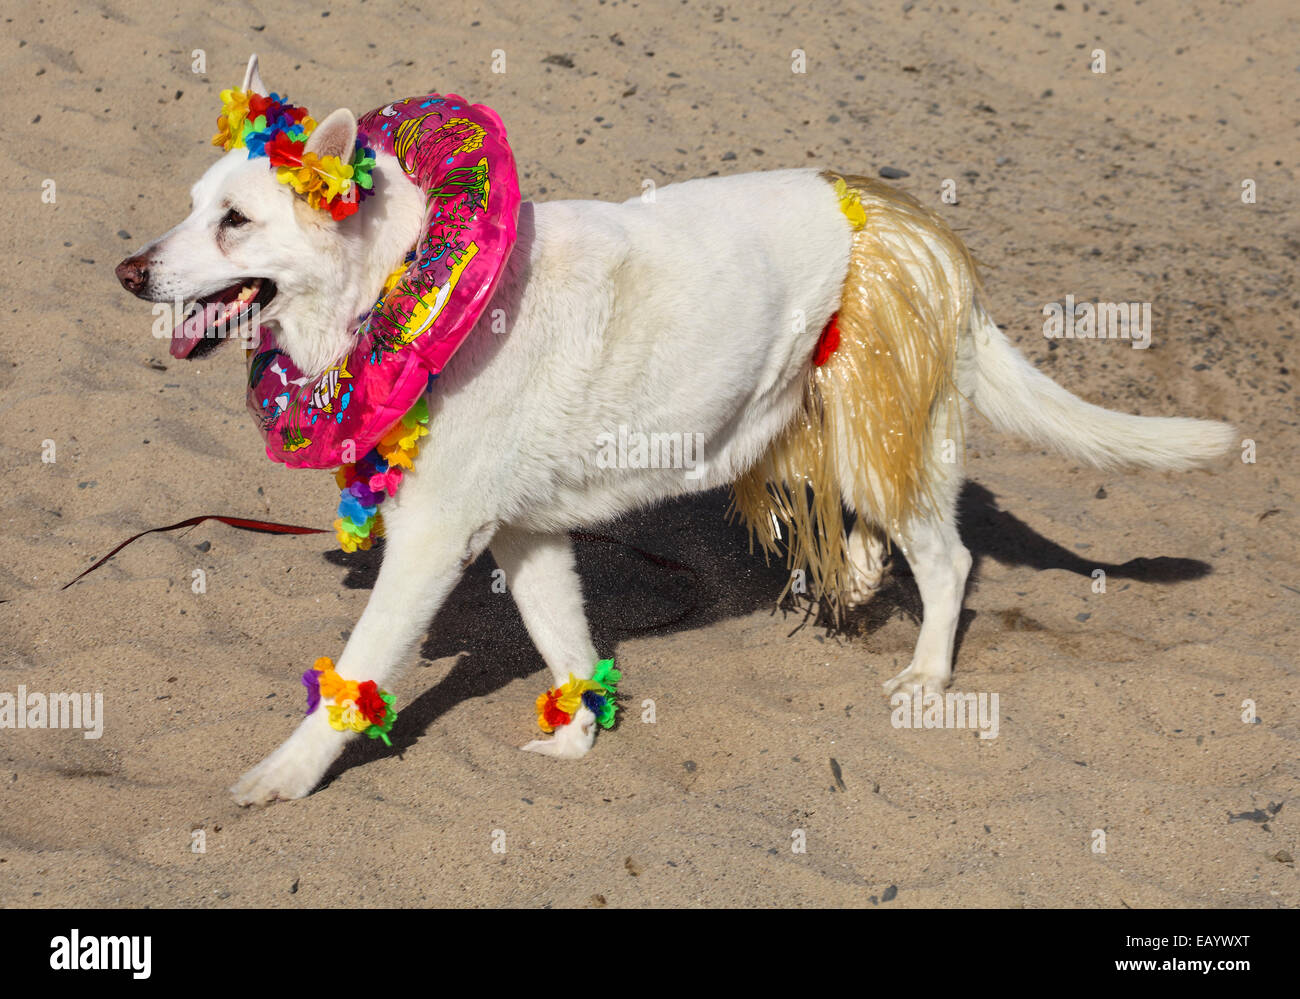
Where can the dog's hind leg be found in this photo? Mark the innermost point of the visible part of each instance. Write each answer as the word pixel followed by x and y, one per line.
pixel 424 557
pixel 541 574
pixel 940 563
pixel 865 562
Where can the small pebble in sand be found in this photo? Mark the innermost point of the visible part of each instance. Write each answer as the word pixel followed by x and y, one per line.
pixel 893 173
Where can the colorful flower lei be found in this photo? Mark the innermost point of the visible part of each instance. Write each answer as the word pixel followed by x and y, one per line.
pixel 368 482
pixel 558 705
pixel 270 126
pixel 357 707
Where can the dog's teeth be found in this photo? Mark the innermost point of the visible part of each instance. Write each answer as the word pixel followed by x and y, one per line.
pixel 248 291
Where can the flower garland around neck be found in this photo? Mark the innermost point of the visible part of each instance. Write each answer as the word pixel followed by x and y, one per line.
pixel 368 482
pixel 558 705
pixel 357 707
pixel 272 127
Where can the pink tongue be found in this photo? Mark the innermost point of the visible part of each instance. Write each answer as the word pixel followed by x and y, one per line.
pixel 223 307
pixel 188 333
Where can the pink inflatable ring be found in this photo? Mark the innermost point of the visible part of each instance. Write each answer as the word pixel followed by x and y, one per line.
pixel 457 153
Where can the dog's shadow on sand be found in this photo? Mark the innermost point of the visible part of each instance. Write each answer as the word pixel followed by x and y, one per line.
pixel 677 567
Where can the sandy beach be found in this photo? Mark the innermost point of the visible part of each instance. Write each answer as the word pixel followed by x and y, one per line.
pixel 1163 713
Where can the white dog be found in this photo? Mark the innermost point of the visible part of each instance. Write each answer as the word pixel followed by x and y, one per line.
pixel 697 313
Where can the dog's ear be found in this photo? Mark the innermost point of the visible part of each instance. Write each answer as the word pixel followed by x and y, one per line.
pixel 253 79
pixel 335 136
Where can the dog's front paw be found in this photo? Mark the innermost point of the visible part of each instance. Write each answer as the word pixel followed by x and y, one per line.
pixel 571 741
pixel 294 769
pixel 915 681
pixel 279 777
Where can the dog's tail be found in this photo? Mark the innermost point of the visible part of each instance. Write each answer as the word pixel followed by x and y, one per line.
pixel 1019 399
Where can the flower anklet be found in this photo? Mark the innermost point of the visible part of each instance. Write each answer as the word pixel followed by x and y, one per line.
pixel 558 705
pixel 357 707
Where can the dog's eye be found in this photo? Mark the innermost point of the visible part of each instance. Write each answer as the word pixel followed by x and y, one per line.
pixel 233 219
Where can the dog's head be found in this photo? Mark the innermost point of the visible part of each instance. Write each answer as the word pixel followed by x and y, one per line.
pixel 251 248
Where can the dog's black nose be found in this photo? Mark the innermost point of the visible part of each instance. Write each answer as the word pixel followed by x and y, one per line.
pixel 133 274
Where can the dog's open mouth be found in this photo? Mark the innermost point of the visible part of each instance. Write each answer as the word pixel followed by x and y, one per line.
pixel 230 314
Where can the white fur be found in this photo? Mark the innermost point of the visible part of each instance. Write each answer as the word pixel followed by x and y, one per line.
pixel 676 316
pixel 326 273
pixel 1018 398
pixel 695 314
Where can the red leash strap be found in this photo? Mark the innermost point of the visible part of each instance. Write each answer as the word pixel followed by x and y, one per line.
pixel 243 524
pixel 270 527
